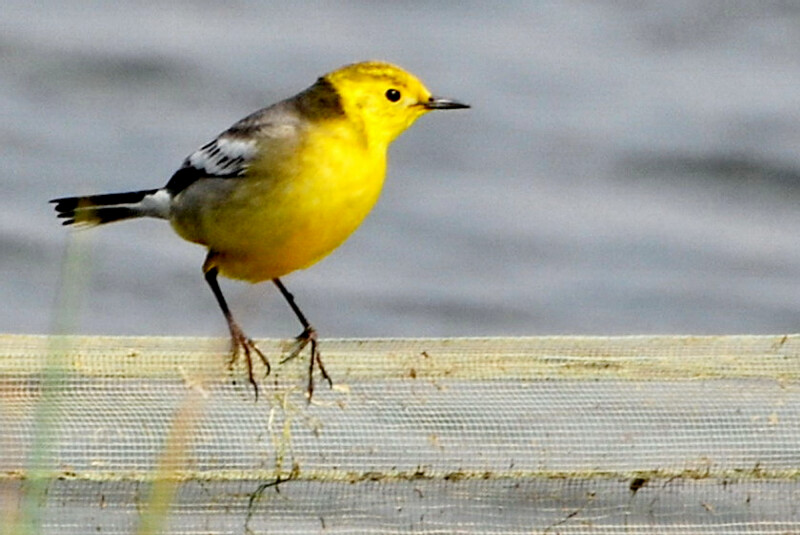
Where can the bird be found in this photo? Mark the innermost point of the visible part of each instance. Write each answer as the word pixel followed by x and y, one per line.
pixel 281 188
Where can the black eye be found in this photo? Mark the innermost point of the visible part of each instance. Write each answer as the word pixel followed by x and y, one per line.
pixel 393 95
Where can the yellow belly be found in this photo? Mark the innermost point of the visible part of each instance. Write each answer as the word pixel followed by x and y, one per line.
pixel 288 212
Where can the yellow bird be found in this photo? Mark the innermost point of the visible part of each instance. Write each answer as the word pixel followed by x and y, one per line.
pixel 282 188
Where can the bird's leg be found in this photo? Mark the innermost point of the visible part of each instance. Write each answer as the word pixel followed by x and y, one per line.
pixel 308 336
pixel 238 338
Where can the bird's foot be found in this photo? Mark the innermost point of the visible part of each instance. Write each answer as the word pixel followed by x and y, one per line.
pixel 309 337
pixel 239 340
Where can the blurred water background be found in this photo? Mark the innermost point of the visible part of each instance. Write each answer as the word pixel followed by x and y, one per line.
pixel 627 167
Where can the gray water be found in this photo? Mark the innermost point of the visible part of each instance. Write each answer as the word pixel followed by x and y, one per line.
pixel 626 168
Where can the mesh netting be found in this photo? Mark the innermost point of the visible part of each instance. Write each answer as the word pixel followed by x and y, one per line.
pixel 535 435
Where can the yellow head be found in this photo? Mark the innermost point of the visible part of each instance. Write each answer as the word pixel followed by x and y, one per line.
pixel 383 98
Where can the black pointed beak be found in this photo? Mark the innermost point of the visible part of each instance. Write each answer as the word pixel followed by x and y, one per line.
pixel 438 103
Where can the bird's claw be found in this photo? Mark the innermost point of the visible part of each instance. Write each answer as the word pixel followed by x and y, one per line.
pixel 239 340
pixel 308 336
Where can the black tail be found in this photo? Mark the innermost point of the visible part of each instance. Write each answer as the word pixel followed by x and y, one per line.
pixel 100 209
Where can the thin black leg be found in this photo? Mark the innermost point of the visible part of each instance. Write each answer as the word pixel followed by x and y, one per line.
pixel 238 338
pixel 211 279
pixel 308 336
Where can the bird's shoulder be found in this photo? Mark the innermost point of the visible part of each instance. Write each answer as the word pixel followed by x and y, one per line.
pixel 230 154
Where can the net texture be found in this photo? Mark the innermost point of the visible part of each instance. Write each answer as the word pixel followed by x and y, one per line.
pixel 557 435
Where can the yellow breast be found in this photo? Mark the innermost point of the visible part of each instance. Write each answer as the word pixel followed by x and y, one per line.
pixel 297 203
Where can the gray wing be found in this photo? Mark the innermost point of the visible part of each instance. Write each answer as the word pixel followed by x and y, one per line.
pixel 229 155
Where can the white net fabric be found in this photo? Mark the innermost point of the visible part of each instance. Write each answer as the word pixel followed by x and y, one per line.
pixel 535 435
